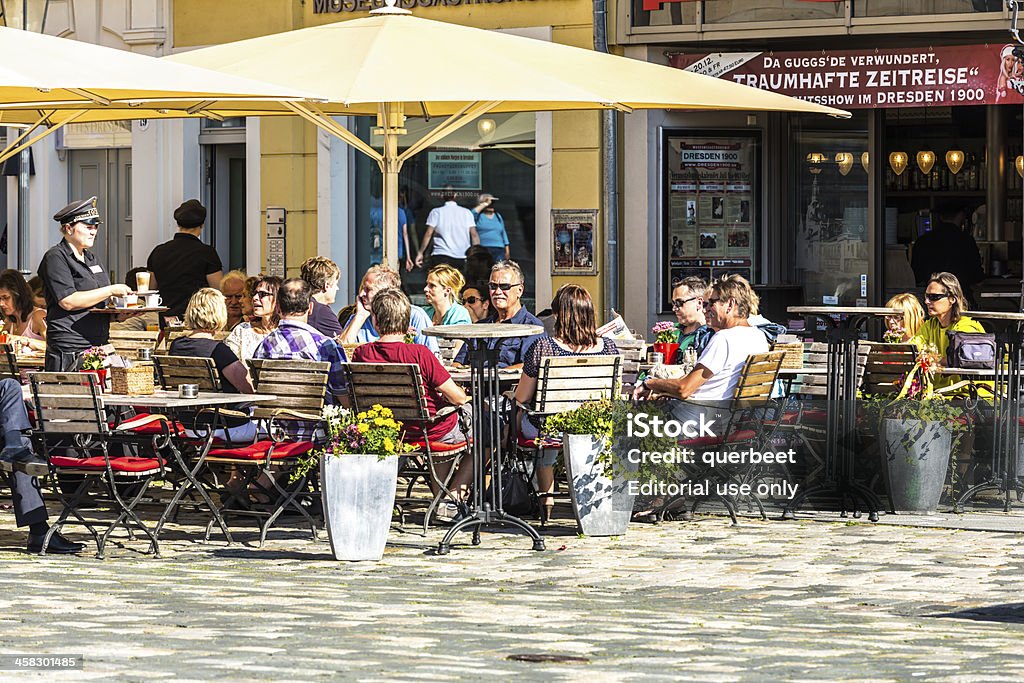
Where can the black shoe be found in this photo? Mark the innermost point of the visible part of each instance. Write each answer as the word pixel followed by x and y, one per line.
pixel 58 545
pixel 25 460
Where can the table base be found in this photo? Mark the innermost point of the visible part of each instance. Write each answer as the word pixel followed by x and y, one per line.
pixel 480 518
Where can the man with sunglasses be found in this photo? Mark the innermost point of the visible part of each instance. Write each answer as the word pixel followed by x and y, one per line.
pixel 688 306
pixel 506 286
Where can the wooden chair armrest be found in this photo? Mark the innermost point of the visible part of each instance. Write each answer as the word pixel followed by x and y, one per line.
pixel 288 412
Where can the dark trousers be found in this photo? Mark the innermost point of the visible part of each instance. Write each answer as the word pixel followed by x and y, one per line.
pixel 28 502
pixel 457 263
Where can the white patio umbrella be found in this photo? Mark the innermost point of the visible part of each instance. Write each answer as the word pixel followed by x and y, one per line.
pixel 392 65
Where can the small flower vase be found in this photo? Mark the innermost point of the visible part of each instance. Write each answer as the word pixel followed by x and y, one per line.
pixel 667 351
pixel 101 378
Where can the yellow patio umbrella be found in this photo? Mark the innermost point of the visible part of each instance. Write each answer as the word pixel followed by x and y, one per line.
pixel 392 65
pixel 45 80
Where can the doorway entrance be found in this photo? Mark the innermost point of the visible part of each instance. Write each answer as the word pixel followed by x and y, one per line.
pixel 107 174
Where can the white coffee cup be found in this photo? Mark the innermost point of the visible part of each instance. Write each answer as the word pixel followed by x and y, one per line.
pixel 126 301
pixel 152 299
pixel 142 281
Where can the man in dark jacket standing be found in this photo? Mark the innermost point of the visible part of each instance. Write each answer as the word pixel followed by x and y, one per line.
pixel 948 248
pixel 186 264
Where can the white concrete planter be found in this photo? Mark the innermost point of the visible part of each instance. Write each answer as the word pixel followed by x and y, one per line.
pixel 359 498
pixel 603 507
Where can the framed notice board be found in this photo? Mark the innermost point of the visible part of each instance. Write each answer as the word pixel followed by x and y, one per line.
pixel 712 208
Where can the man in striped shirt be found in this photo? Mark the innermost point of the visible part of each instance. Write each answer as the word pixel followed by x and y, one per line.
pixel 295 339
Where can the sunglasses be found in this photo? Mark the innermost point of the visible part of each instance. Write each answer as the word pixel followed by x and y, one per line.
pixel 679 303
pixel 471 300
pixel 708 303
pixel 503 286
pixel 260 295
pixel 936 297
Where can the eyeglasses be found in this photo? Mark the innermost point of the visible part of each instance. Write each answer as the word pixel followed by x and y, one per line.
pixel 679 303
pixel 503 286
pixel 260 294
pixel 471 300
pixel 936 297
pixel 708 303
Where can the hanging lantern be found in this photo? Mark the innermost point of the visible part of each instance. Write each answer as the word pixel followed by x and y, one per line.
pixel 865 161
pixel 1019 163
pixel 954 160
pixel 845 162
pixel 898 162
pixel 815 160
pixel 925 161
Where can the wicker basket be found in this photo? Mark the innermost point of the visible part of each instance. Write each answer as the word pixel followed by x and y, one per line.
pixel 794 357
pixel 134 381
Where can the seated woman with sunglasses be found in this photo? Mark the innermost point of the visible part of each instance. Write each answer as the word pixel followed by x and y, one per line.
pixel 248 335
pixel 474 299
pixel 946 304
pixel 574 335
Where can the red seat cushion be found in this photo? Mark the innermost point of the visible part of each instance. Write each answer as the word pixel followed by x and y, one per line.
pixel 817 416
pixel 123 464
pixel 705 441
pixel 439 447
pixel 258 450
pixel 150 428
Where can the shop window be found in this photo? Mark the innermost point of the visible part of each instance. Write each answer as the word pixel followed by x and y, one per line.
pixel 831 256
pixel 712 206
pixel 664 13
pixel 738 11
pixel 900 8
pixel 496 156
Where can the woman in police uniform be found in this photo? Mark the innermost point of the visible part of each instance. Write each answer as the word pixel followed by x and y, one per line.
pixel 73 284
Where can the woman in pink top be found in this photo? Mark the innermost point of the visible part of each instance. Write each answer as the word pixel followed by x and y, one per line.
pixel 22 319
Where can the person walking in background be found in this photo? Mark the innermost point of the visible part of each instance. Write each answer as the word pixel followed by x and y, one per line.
pixel 323 275
pixel 490 228
pixel 452 229
pixel 185 264
pixel 232 286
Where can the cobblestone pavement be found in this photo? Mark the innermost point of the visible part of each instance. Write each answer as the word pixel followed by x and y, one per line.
pixel 806 600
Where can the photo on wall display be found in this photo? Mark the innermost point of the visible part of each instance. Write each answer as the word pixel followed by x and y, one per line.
pixel 572 247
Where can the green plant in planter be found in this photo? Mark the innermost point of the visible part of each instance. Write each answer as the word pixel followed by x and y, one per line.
pixel 372 432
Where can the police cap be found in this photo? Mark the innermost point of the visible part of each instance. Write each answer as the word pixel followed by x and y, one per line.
pixel 79 211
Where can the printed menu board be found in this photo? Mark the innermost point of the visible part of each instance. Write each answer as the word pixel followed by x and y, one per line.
pixel 711 207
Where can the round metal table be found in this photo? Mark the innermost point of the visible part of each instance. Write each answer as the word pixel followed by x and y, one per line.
pixel 485 389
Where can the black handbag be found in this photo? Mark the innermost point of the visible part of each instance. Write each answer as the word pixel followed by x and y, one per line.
pixel 971 350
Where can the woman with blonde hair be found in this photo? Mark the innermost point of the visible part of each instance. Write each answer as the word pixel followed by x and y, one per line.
pixel 903 329
pixel 442 292
pixel 206 314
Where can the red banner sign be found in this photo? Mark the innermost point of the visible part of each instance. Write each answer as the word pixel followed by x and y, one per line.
pixel 862 79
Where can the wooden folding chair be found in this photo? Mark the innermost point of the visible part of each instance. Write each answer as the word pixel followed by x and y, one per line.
pixel 69 414
pixel 292 422
pixel 399 387
pixel 9 363
pixel 563 383
pixel 127 343
pixel 753 417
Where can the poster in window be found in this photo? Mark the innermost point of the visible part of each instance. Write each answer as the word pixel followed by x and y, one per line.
pixel 572 248
pixel 711 207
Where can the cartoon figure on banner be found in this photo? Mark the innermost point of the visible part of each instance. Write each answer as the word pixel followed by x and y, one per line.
pixel 1011 69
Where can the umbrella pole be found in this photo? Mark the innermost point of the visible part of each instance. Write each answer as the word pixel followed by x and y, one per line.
pixel 390 122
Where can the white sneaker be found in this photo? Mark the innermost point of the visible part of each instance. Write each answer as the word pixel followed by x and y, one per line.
pixel 447 511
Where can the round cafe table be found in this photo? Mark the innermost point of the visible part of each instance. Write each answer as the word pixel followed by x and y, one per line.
pixel 482 340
